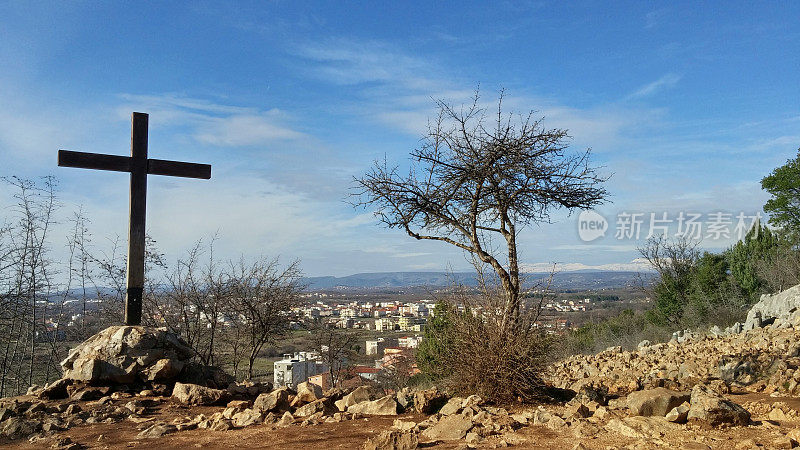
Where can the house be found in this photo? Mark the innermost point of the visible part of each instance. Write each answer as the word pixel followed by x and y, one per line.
pixel 376 346
pixel 366 372
pixel 323 380
pixel 409 341
pixel 297 368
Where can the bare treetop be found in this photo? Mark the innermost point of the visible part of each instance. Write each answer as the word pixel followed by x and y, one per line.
pixel 475 177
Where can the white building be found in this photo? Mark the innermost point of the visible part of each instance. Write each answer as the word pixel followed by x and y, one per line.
pixel 377 346
pixel 409 341
pixel 385 324
pixel 295 369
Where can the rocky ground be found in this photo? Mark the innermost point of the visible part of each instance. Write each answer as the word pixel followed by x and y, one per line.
pixel 136 387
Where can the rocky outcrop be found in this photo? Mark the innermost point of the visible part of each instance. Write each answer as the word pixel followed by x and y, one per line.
pixel 124 354
pixel 781 310
pixel 762 360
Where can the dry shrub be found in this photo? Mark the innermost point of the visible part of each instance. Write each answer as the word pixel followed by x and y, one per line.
pixel 487 357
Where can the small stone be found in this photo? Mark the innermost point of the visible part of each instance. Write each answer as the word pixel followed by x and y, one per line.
pixel 286 420
pixel 156 431
pixel 782 442
pixel 679 413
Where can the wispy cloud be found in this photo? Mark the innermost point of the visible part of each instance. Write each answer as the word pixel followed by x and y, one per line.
pixel 667 81
pixel 653 18
pixel 214 123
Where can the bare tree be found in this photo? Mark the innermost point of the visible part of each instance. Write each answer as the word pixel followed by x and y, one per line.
pixel 260 297
pixel 26 272
pixel 674 261
pixel 335 346
pixel 475 178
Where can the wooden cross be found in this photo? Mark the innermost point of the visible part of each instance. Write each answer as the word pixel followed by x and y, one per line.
pixel 139 166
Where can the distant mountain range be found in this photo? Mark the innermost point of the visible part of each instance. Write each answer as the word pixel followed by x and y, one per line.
pixel 581 279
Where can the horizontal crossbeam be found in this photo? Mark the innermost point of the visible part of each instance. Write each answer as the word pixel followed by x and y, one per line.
pixel 83 160
pixel 97 161
pixel 178 169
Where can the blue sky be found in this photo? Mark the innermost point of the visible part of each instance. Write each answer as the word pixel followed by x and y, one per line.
pixel 687 105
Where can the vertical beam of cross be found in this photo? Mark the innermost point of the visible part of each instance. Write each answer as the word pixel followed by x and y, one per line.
pixel 136 226
pixel 139 166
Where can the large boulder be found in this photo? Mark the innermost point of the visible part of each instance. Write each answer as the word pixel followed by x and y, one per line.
pixel 655 402
pixel 385 406
pixel 55 390
pixel 193 394
pixel 393 440
pixel 710 407
pixel 308 392
pixel 450 428
pixel 124 354
pixel 277 400
pixel 359 394
pixel 322 405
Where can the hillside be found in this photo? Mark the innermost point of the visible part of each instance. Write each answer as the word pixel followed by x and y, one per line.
pixel 561 280
pixel 734 388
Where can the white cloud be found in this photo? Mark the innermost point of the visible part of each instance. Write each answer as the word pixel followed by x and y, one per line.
pixel 213 123
pixel 667 81
pixel 242 130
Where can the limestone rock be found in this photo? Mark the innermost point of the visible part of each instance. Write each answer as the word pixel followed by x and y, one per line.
pixel 679 414
pixel 90 393
pixel 286 420
pixel 308 392
pixel 317 406
pixel 641 427
pixel 453 406
pixel 247 417
pixel 403 425
pixel 55 390
pixel 780 310
pixel 18 428
pixel 450 428
pixel 164 369
pixel 120 354
pixel 655 402
pixel 156 431
pixel 577 411
pixel 385 406
pixel 393 440
pixel 359 394
pixel 429 401
pixel 714 409
pixel 193 394
pixel 277 400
